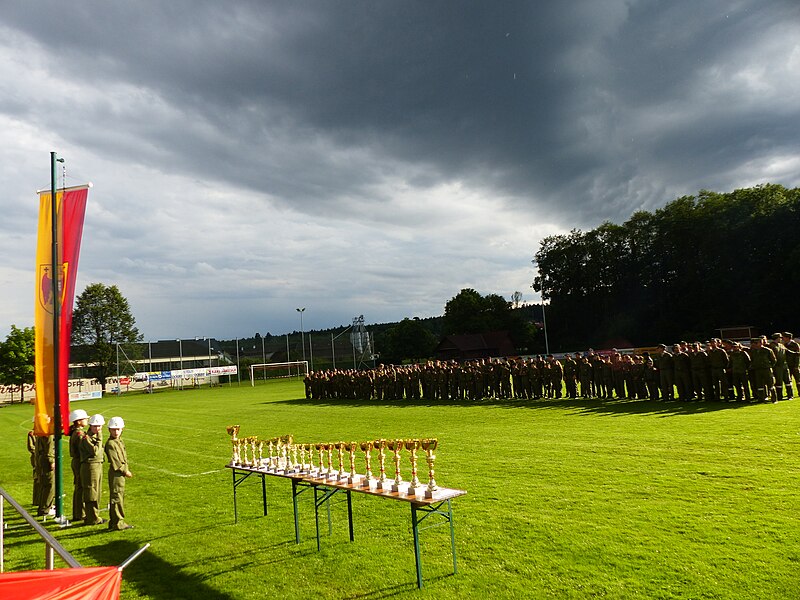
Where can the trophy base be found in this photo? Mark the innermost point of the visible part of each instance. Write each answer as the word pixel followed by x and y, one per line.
pixel 380 485
pixel 398 486
pixel 366 482
pixel 354 479
pixel 429 492
pixel 412 491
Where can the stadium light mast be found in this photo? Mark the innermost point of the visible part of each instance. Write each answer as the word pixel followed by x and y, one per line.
pixel 302 333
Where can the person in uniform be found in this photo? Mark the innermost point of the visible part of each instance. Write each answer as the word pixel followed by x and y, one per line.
pixel 792 359
pixel 46 465
pixel 665 363
pixel 762 360
pixel 718 361
pixel 118 472
pixel 783 380
pixel 32 451
pixel 79 419
pixel 740 366
pixel 91 448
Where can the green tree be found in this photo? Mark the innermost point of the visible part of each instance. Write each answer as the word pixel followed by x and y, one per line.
pixel 408 339
pixel 102 318
pixel 17 359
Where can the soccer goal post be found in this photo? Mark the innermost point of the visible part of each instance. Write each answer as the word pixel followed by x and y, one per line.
pixel 295 368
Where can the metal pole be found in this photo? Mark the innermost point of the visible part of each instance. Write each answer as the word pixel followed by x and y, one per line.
pixel 119 385
pixel 333 353
pixel 302 334
pixel 544 322
pixel 238 374
pixel 180 358
pixel 55 272
pixel 311 350
pixel 263 357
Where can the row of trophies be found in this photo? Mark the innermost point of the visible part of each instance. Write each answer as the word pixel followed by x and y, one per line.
pixel 284 456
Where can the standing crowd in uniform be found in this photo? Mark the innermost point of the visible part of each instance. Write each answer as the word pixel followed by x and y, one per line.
pixel 717 370
pixel 87 454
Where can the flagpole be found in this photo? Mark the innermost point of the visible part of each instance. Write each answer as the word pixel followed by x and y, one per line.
pixel 57 284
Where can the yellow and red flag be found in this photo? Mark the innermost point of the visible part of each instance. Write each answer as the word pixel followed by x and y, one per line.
pixel 70 209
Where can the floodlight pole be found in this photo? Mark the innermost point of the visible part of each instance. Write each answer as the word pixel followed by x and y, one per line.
pixel 302 334
pixel 180 358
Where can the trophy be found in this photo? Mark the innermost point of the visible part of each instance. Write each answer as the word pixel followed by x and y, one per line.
pixel 340 455
pixel 320 448
pixel 381 446
pixel 260 462
pixel 396 446
pixel 253 452
pixel 351 448
pixel 243 446
pixel 413 446
pixel 310 453
pixel 291 453
pixel 271 457
pixel 429 445
pixel 302 458
pixel 329 456
pixel 366 448
pixel 233 431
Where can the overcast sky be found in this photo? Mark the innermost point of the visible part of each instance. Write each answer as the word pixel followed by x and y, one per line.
pixel 370 157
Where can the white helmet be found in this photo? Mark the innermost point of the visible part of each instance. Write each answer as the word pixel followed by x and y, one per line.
pixel 116 423
pixel 77 414
pixel 97 420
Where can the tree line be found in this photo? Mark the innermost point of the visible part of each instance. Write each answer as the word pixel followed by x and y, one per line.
pixel 697 264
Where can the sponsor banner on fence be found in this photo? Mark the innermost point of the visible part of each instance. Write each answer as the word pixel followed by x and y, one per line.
pixel 183 374
pixel 85 395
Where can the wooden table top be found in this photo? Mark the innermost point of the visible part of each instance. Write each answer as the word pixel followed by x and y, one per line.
pixel 439 495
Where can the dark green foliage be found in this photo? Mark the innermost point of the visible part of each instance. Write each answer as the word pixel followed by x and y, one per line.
pixel 17 358
pixel 699 263
pixel 408 339
pixel 102 317
pixel 470 312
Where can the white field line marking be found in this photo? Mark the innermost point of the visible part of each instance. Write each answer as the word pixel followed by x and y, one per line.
pixel 173 450
pixel 174 474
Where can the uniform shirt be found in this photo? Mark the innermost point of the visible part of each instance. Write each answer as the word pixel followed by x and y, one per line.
pixel 91 448
pixel 117 456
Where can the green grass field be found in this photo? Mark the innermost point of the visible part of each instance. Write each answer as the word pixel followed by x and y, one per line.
pixel 566 499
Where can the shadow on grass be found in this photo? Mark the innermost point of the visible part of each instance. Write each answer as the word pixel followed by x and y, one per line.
pixel 152 576
pixel 395 590
pixel 581 405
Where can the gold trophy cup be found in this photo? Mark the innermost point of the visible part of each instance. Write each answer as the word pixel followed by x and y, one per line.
pixel 366 448
pixel 381 446
pixel 429 445
pixel 351 448
pixel 330 474
pixel 413 446
pixel 396 446
pixel 233 431
pixel 340 449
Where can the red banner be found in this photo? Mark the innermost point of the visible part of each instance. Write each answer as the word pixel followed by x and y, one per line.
pixel 70 210
pixel 90 583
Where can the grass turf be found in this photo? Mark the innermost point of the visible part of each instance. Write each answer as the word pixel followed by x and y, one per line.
pixel 567 499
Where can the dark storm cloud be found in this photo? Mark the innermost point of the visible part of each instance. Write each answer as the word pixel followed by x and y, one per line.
pixel 550 103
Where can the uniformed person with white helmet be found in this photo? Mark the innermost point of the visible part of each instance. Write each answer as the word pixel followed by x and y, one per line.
pixel 78 419
pixel 91 448
pixel 117 473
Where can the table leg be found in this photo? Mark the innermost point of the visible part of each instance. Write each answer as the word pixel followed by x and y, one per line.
pixel 452 536
pixel 235 511
pixel 415 531
pixel 294 506
pixel 350 514
pixel 264 492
